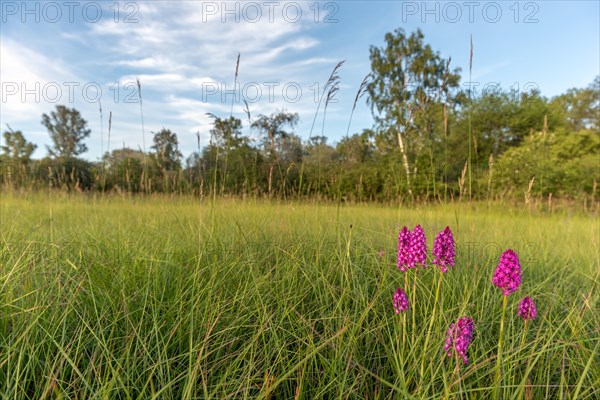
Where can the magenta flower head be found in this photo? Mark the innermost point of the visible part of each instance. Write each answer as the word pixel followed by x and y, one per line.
pixel 400 301
pixel 459 337
pixel 527 309
pixel 404 258
pixel 418 247
pixel 443 250
pixel 508 273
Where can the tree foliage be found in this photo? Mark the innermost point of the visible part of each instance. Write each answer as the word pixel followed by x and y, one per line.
pixel 166 150
pixel 67 129
pixel 426 132
pixel 581 107
pixel 408 79
pixel 17 149
pixel 562 162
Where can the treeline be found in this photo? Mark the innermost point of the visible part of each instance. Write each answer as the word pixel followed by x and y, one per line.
pixel 432 139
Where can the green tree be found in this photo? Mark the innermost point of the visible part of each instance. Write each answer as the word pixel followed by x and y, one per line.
pixel 167 161
pixel 321 166
pixel 581 107
pixel 409 82
pixel 498 120
pixel 274 132
pixel 273 129
pixel 357 148
pixel 229 160
pixel 166 150
pixel 17 148
pixel 16 157
pixel 67 130
pixel 125 168
pixel 561 162
pixel 226 132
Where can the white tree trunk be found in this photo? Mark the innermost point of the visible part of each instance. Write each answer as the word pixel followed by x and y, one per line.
pixel 404 160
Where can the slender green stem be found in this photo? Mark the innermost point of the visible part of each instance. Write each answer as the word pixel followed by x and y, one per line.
pixel 454 378
pixel 499 357
pixel 414 298
pixel 435 307
pixel 403 332
pixel 400 350
pixel 404 313
pixel 522 348
pixel 524 338
pixel 458 363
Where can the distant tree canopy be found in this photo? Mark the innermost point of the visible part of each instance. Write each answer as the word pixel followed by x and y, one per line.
pixel 410 82
pixel 166 150
pixel 124 169
pixel 17 148
pixel 67 130
pixel 16 157
pixel 561 162
pixel 273 128
pixel 275 137
pixel 227 132
pixel 580 108
pixel 428 138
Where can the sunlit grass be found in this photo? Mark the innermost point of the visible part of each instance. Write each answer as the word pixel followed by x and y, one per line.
pixel 162 297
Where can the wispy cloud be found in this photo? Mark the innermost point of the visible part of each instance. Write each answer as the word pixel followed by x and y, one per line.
pixel 179 53
pixel 31 82
pixel 487 71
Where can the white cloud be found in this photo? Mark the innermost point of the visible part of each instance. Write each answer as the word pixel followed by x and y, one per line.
pixel 184 42
pixel 168 82
pixel 29 80
pixel 177 53
pixel 153 62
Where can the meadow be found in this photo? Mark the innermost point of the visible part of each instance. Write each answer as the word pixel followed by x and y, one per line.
pixel 108 297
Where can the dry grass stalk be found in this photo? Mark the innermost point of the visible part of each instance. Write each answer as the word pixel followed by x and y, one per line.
pixel 109 130
pixel 461 181
pixel 139 87
pixel 490 173
pixel 528 193
pixel 362 89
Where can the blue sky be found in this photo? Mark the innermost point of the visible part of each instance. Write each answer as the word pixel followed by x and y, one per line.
pixel 184 53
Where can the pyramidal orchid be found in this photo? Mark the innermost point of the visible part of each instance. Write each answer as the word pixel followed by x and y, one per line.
pixel 443 250
pixel 527 309
pixel 508 273
pixel 418 247
pixel 400 301
pixel 508 278
pixel 404 244
pixel 459 337
pixel 412 248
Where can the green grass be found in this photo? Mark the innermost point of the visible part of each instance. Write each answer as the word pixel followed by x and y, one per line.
pixel 156 297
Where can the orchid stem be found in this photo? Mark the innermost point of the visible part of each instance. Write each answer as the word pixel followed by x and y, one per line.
pixel 499 357
pixel 437 293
